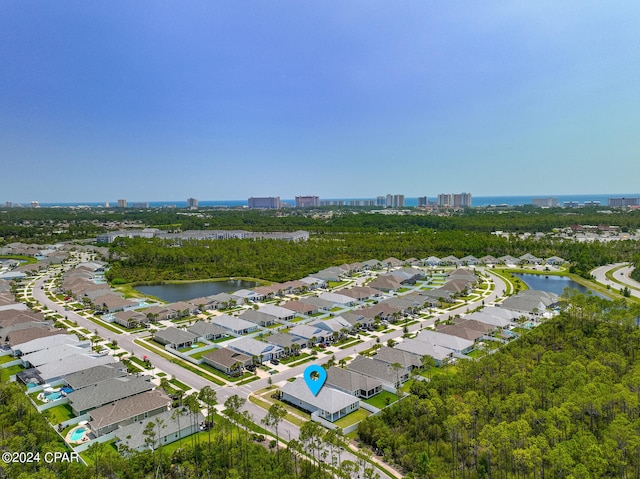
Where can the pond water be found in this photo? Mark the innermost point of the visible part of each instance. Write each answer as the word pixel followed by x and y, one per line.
pixel 185 291
pixel 552 284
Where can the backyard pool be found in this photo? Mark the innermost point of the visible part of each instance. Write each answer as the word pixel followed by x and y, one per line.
pixel 78 433
pixel 53 396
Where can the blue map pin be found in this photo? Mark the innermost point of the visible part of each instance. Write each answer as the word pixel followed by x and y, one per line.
pixel 315 384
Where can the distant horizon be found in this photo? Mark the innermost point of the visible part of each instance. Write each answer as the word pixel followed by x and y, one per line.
pixel 409 200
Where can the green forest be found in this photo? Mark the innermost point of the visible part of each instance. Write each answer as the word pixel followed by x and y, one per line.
pixel 136 260
pixel 42 225
pixel 563 401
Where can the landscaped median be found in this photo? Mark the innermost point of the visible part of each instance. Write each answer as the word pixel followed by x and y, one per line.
pixel 174 359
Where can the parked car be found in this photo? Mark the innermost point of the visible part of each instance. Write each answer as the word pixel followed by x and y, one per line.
pixel 274 361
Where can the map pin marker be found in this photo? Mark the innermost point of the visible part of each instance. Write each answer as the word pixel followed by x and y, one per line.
pixel 315 376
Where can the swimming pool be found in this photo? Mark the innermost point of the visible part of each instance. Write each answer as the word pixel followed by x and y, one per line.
pixel 78 434
pixel 53 396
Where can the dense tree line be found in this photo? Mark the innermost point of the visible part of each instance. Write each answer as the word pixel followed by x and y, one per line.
pixel 157 260
pixel 44 224
pixel 563 401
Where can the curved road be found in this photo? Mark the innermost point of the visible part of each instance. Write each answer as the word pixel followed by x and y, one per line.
pixel 622 277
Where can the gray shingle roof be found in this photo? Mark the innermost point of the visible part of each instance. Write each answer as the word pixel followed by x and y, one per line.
pixel 94 375
pixel 107 391
pixel 128 408
pixel 174 336
pixel 350 381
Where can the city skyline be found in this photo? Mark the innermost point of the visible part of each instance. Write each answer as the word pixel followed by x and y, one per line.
pixel 149 102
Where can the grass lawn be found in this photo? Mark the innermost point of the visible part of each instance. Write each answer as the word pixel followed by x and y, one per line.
pixel 179 384
pixel 353 343
pixel 380 400
pixel 292 359
pixel 296 319
pixel 491 345
pixel 139 362
pixel 199 354
pixel 11 370
pixel 247 381
pixel 352 418
pixel 476 353
pixel 7 359
pixel 298 363
pixel 222 375
pixel 59 414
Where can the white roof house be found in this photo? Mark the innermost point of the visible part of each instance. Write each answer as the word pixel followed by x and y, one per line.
pixel 253 347
pixel 422 348
pixel 454 343
pixel 330 404
pixel 337 299
pixel 237 325
pixel 277 311
pixel 71 364
pixel 45 343
pixel 56 353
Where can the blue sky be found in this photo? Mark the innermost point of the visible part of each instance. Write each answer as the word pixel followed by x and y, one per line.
pixel 225 100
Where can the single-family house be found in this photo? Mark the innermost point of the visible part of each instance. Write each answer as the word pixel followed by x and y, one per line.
pixel 406 359
pixel 126 411
pixel 254 348
pixel 288 342
pixel 94 375
pixel 173 428
pixel 301 307
pixel 258 317
pixel 130 319
pixel 175 338
pixel 233 324
pixel 227 360
pixel 387 373
pixel 207 330
pixel 453 343
pixel 107 391
pixel 329 404
pixel 353 383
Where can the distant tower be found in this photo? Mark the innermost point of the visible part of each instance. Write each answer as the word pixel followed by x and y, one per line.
pixel 35 204
pixel 106 204
pixel 192 203
pixel 122 203
pixel 423 201
pixel 307 201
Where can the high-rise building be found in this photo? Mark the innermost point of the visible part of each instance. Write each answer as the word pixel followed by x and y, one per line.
pixel 545 202
pixel 394 201
pixel 620 202
pixel 8 204
pixel 423 201
pixel 192 203
pixel 143 205
pixel 122 203
pixel 454 200
pixel 307 201
pixel 35 204
pixel 269 202
pixel 381 201
pixel 332 203
pixel 106 204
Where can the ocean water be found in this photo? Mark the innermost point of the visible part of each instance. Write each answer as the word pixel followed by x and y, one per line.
pixel 477 201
